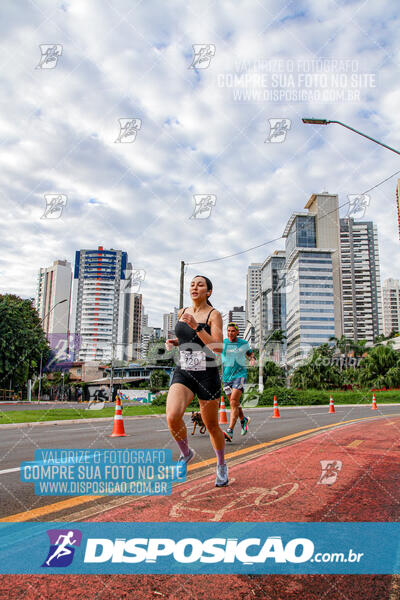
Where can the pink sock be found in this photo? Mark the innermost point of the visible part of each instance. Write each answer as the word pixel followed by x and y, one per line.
pixel 220 457
pixel 183 446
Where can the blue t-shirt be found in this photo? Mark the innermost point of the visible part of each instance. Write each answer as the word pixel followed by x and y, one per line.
pixel 234 359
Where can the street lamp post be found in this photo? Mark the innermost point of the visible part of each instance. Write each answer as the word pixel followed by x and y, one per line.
pixel 41 354
pixel 260 355
pixel 326 122
pixel 111 373
pixel 40 376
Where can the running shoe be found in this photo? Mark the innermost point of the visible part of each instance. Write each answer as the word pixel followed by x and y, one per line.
pixel 183 460
pixel 244 425
pixel 222 475
pixel 228 435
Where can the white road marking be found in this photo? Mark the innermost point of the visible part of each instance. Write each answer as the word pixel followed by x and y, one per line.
pixel 10 470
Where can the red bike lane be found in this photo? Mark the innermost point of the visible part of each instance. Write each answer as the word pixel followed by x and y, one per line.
pixel 347 473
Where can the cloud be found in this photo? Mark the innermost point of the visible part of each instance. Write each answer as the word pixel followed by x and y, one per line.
pixel 59 128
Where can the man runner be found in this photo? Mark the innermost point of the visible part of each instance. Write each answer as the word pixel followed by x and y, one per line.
pixel 234 373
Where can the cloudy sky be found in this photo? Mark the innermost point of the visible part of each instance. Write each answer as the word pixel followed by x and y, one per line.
pixel 202 128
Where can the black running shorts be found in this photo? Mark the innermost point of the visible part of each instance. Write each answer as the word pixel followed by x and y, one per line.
pixel 205 384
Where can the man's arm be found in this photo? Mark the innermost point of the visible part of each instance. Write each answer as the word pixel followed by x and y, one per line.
pixel 250 355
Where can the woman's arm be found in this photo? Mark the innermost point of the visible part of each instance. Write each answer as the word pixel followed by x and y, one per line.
pixel 171 342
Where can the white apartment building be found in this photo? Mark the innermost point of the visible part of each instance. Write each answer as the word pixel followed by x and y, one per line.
pixel 253 286
pixel 238 315
pixel 133 318
pixel 54 285
pixel 98 306
pixel 362 300
pixel 169 322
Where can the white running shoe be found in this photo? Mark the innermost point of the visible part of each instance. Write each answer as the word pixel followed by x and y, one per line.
pixel 185 459
pixel 222 475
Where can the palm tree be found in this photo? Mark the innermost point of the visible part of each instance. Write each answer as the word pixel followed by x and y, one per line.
pixel 319 371
pixel 277 337
pixel 381 367
pixel 343 346
pixel 382 337
pixel 274 375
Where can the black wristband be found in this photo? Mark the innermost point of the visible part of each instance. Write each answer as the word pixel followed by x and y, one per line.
pixel 199 327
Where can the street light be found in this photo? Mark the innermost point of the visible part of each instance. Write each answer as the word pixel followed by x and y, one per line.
pixel 260 355
pixel 326 122
pixel 41 354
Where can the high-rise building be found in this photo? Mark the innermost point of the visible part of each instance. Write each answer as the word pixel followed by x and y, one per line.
pixel 147 335
pixel 253 286
pixel 98 307
pixel 312 278
pixel 391 306
pixel 238 316
pixel 362 302
pixel 273 297
pixel 54 285
pixel 157 333
pixel 169 322
pixel 132 332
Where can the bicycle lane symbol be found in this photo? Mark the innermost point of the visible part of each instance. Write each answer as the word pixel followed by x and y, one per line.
pixel 262 497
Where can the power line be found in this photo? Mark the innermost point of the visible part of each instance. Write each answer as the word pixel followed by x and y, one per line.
pixel 201 262
pixel 235 254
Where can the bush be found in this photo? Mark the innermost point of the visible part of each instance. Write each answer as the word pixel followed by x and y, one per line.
pixel 293 397
pixel 161 400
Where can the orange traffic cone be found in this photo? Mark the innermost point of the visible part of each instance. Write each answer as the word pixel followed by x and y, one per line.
pixel 374 406
pixel 275 412
pixel 331 406
pixel 118 426
pixel 222 413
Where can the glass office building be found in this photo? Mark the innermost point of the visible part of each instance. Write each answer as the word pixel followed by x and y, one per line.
pixel 310 285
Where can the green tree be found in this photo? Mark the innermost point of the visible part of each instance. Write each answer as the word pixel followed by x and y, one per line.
pixel 382 337
pixel 360 348
pixel 343 344
pixel 319 371
pixel 159 379
pixel 273 375
pixel 380 368
pixel 276 338
pixel 22 341
pixel 158 355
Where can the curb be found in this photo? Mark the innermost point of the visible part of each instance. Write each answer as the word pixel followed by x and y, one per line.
pixel 133 417
pixel 68 421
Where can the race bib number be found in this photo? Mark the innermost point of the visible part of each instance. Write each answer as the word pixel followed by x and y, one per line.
pixel 193 361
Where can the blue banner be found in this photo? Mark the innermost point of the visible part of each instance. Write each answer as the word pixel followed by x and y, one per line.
pixel 200 548
pixel 79 472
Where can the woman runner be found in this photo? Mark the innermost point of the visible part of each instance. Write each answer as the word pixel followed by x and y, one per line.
pixel 199 337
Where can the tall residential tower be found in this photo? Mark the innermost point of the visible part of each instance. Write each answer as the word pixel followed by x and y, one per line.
pixel 98 314
pixel 391 306
pixel 54 285
pixel 361 282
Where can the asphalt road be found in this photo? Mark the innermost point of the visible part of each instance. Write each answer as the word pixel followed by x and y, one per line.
pixel 18 444
pixel 8 406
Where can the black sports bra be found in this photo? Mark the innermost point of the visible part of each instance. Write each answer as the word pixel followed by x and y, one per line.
pixel 189 338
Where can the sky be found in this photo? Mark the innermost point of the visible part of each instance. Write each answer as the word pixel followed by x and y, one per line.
pixel 118 114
